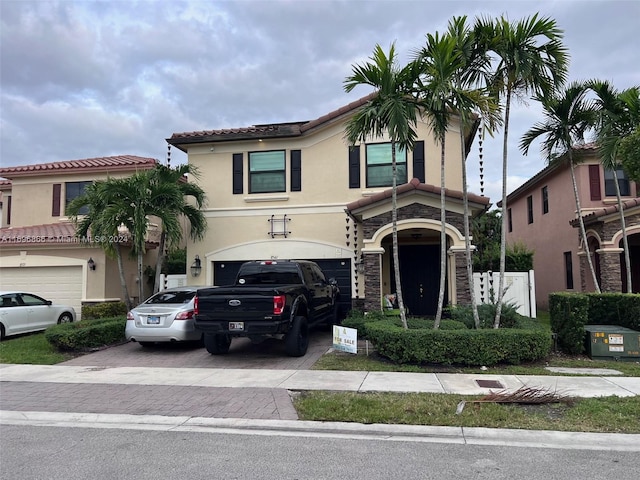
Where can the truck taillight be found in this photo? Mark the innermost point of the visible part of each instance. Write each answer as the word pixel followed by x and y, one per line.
pixel 278 304
pixel 195 305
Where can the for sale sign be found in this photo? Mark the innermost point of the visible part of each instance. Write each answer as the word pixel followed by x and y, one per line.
pixel 345 339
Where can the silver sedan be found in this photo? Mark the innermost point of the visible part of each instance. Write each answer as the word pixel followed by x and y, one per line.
pixel 167 316
pixel 22 312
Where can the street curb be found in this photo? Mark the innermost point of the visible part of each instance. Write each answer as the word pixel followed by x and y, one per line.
pixel 382 432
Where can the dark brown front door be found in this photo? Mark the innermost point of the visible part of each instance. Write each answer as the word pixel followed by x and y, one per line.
pixel 420 277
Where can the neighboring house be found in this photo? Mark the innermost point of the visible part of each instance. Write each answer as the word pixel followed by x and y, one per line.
pixel 541 213
pixel 299 191
pixel 39 251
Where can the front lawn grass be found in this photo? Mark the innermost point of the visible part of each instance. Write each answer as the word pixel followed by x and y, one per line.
pixel 604 415
pixel 30 348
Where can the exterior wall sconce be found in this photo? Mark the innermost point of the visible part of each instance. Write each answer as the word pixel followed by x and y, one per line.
pixel 360 266
pixel 196 267
pixel 91 264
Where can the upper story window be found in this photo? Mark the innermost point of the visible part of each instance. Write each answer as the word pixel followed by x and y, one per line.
pixel 530 209
pixel 267 172
pixel 379 165
pixel 73 190
pixel 545 200
pixel 610 184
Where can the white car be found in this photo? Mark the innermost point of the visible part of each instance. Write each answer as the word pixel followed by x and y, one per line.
pixel 22 312
pixel 167 316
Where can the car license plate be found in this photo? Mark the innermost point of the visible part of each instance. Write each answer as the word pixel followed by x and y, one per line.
pixel 153 320
pixel 236 326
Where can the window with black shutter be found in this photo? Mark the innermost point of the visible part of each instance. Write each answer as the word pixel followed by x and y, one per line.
pixel 354 166
pixel 296 170
pixel 594 182
pixel 418 161
pixel 237 173
pixel 55 202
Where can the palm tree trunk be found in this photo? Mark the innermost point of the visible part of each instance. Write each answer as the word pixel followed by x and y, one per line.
pixel 394 222
pixel 583 232
pixel 159 261
pixel 140 279
pixel 467 239
pixel 623 224
pixel 503 233
pixel 443 237
pixel 123 281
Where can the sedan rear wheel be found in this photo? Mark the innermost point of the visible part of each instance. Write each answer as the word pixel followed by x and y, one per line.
pixel 66 317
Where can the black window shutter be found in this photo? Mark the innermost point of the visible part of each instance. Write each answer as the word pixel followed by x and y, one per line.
pixel 354 167
pixel 55 206
pixel 9 210
pixel 296 170
pixel 237 173
pixel 418 161
pixel 594 182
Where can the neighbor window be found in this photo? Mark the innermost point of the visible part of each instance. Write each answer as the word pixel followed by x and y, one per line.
pixel 545 200
pixel 267 172
pixel 530 209
pixel 73 190
pixel 509 219
pixel 568 270
pixel 610 183
pixel 379 165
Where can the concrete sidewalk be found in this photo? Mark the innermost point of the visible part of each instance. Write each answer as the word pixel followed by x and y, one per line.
pixel 358 381
pixel 249 402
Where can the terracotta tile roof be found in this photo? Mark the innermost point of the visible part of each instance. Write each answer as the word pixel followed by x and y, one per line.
pixel 55 233
pixel 275 130
pixel 61 233
pixel 414 185
pixel 101 164
pixel 595 216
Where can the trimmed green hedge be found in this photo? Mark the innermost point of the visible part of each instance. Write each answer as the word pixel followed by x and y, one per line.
pixel 568 314
pixel 621 309
pixel 86 334
pixel 103 310
pixel 459 347
pixel 359 321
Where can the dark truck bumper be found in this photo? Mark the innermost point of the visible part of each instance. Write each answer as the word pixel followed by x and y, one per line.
pixel 252 327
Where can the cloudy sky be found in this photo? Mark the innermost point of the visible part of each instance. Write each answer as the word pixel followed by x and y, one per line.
pixel 82 79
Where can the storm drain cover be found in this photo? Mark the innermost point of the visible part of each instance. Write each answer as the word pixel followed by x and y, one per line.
pixel 489 384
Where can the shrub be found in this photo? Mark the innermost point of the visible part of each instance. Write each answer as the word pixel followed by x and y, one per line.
pixel 459 347
pixel 86 334
pixel 621 309
pixel 103 310
pixel 569 313
pixel 358 320
pixel 487 313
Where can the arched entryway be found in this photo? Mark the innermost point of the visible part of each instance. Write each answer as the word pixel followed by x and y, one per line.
pixel 634 257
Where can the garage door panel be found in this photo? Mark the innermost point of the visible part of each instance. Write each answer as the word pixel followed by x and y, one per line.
pixel 59 284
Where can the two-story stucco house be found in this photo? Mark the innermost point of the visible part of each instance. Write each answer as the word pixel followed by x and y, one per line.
pixel 299 191
pixel 541 213
pixel 39 251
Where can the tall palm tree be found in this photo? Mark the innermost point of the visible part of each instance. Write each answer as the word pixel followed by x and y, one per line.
pixel 531 59
pixel 619 116
pixel 567 116
pixel 98 223
pixel 185 202
pixel 392 111
pixel 472 71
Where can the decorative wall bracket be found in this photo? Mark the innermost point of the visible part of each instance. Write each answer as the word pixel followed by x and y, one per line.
pixel 279 226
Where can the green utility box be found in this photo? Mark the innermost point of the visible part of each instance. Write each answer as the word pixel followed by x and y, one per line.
pixel 611 342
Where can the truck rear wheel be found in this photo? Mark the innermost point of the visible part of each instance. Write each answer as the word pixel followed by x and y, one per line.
pixel 217 344
pixel 297 340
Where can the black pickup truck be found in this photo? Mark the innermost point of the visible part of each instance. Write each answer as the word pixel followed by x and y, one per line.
pixel 274 298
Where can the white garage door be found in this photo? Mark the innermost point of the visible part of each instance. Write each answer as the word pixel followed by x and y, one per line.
pixel 59 284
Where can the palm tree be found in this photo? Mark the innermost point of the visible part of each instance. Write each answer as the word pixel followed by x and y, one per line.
pixel 185 202
pixel 531 59
pixel 99 224
pixel 393 111
pixel 568 115
pixel 619 116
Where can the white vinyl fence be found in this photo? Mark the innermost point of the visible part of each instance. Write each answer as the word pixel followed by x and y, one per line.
pixel 170 281
pixel 520 288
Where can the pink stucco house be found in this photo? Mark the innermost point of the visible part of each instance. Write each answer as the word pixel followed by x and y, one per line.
pixel 541 214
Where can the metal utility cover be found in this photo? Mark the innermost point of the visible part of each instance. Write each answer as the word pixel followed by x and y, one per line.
pixel 612 342
pixel 489 384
